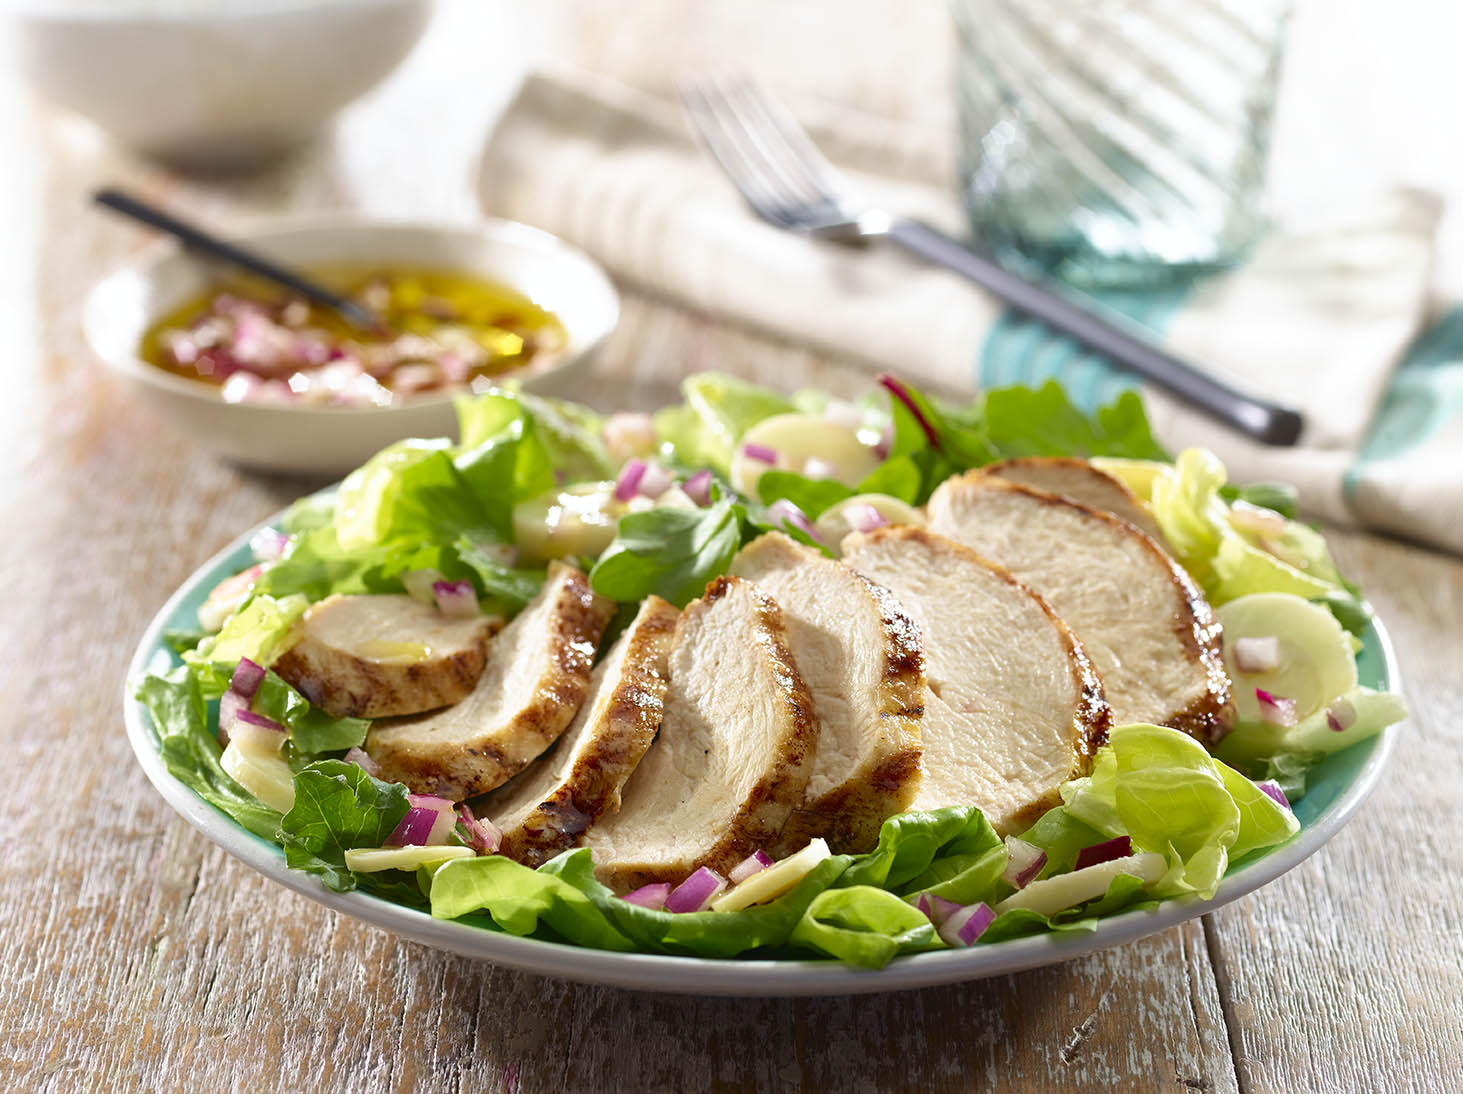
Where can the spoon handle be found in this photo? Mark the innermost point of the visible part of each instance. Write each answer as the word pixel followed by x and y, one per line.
pixel 198 240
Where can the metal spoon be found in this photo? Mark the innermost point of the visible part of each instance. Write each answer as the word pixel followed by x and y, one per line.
pixel 197 240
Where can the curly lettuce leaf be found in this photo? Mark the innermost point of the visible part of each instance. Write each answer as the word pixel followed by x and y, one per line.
pixel 257 631
pixel 191 753
pixel 338 806
pixel 861 925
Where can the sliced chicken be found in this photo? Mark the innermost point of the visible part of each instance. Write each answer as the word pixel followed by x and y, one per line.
pixel 1014 707
pixel 735 749
pixel 1146 625
pixel 548 806
pixel 536 677
pixel 373 656
pixel 859 654
pixel 1079 481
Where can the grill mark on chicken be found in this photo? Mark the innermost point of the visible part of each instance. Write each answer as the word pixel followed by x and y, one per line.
pixel 439 754
pixel 581 777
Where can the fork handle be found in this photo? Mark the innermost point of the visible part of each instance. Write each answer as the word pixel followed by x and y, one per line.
pixel 1111 334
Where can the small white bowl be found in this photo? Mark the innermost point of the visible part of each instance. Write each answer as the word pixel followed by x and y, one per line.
pixel 214 86
pixel 302 438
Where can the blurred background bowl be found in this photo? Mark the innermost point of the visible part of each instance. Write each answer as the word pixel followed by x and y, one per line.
pixel 318 439
pixel 212 84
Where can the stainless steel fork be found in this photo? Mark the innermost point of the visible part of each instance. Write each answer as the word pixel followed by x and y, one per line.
pixel 788 183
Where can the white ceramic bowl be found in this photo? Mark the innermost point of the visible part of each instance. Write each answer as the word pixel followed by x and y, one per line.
pixel 213 85
pixel 552 274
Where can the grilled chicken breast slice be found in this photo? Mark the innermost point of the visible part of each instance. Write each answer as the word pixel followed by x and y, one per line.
pixel 859 653
pixel 1145 624
pixel 734 753
pixel 1014 707
pixel 1077 480
pixel 535 679
pixel 547 807
pixel 374 656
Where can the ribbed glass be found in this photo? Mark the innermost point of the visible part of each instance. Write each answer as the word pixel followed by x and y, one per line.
pixel 1116 143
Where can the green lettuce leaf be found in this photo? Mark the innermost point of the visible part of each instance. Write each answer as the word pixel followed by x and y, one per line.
pixel 672 553
pixel 311 730
pixel 812 496
pixel 191 753
pixel 1024 421
pixel 718 410
pixel 861 925
pixel 338 806
pixel 257 631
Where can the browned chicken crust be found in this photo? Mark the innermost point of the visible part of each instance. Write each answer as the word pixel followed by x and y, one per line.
pixel 536 677
pixel 375 656
pixel 547 807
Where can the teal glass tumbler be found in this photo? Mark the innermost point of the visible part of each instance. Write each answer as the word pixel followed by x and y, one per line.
pixel 1116 144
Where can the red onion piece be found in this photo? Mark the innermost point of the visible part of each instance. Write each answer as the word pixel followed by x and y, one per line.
pixel 414 829
pixel 754 863
pixel 1025 862
pixel 863 517
pixel 268 544
pixel 1274 709
pixel 698 488
pixel 1257 654
pixel 628 484
pixel 695 892
pixel 248 675
pixel 964 926
pixel 1341 715
pixel 759 452
pixel 446 816
pixel 229 705
pixel 362 759
pixel 483 836
pixel 650 896
pixel 656 481
pixel 936 908
pixel 785 512
pixel 1272 789
pixel 896 388
pixel 456 599
pixel 816 468
pixel 1121 847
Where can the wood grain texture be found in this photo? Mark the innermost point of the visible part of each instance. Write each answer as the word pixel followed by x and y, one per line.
pixel 136 956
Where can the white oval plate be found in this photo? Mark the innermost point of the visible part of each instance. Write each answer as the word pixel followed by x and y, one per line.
pixel 1337 787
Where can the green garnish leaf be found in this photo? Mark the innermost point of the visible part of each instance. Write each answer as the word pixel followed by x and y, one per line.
pixel 338 806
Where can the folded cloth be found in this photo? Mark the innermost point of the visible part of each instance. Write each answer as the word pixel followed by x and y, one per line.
pixel 1320 317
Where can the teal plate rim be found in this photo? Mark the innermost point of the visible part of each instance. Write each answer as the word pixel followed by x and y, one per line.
pixel 1338 787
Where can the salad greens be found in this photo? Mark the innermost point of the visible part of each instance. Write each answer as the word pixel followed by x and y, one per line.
pixel 447 510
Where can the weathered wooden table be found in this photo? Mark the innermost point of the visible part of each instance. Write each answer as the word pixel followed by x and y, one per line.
pixel 135 955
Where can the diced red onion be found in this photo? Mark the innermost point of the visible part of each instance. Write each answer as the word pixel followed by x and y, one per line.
pixel 656 480
pixel 936 908
pixel 1121 847
pixel 457 599
pixel 628 484
pixel 759 452
pixel 698 487
pixel 754 863
pixel 1257 654
pixel 896 388
pixel 1341 715
pixel 268 544
pixel 483 836
pixel 246 726
pixel 419 583
pixel 885 444
pixel 1272 789
pixel 863 517
pixel 446 816
pixel 229 705
pixel 965 926
pixel 695 892
pixel 1025 861
pixel 650 896
pixel 414 829
pixel 1274 709
pixel 248 675
pixel 785 512
pixel 362 759
pixel 816 468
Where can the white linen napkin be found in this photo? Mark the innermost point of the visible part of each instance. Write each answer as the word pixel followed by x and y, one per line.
pixel 1319 317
